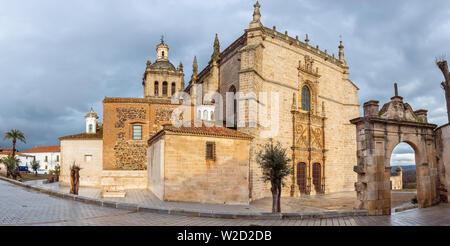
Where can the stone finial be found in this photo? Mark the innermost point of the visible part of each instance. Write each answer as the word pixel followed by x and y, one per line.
pixel 341 53
pixel 307 39
pixel 256 12
pixel 180 67
pixel 194 69
pixel 162 39
pixel 256 22
pixel 149 63
pixel 396 96
pixel 216 54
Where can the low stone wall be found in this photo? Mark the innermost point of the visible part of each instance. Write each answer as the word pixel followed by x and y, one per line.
pixel 128 179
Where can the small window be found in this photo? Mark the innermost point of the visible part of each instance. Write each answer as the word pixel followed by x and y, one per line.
pixel 210 150
pixel 91 128
pixel 212 115
pixel 57 158
pixel 87 157
pixel 46 159
pixel 205 115
pixel 162 53
pixel 156 92
pixel 199 115
pixel 137 132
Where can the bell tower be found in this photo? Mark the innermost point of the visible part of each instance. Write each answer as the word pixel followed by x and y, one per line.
pixel 91 121
pixel 161 79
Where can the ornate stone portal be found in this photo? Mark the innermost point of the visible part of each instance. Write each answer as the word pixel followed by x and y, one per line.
pixel 378 133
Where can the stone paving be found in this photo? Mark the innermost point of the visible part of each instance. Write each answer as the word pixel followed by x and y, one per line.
pixel 21 206
pixel 336 201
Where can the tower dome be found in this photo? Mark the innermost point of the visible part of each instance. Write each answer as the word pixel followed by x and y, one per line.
pixel 162 57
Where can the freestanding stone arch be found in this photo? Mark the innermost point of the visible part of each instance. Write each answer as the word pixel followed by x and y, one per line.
pixel 378 133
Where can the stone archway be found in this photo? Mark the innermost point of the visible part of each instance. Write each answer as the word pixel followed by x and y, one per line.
pixel 378 133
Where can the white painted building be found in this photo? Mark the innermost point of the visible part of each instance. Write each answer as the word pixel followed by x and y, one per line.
pixel 24 159
pixel 47 156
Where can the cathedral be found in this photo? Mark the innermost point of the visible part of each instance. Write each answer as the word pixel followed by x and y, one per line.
pixel 139 147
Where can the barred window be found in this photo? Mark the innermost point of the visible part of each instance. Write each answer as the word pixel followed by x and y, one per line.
pixel 210 150
pixel 137 132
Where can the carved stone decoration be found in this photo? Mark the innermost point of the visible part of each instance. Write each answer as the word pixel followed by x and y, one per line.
pixel 317 137
pixel 124 114
pixel 162 115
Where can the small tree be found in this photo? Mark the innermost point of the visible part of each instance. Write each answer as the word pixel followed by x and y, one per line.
pixel 11 164
pixel 275 167
pixel 35 166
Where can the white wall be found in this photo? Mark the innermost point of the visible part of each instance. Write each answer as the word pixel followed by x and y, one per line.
pixel 85 153
pixel 53 159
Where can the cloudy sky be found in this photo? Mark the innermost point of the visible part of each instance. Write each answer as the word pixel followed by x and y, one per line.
pixel 59 58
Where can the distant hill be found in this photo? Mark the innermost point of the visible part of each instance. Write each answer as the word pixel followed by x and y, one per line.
pixel 405 168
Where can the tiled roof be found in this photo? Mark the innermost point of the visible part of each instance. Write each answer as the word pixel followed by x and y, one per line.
pixel 97 135
pixel 43 149
pixel 218 131
pixel 4 152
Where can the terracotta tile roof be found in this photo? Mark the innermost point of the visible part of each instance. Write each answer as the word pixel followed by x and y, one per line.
pixel 5 152
pixel 218 131
pixel 43 149
pixel 97 135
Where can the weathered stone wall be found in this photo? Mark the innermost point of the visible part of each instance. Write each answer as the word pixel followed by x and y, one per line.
pixel 190 177
pixel 75 151
pixel 443 153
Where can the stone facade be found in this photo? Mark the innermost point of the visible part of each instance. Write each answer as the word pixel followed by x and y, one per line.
pixel 179 169
pixel 265 60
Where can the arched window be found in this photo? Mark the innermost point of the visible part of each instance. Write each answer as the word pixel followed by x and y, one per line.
pixel 164 88
pixel 91 128
pixel 212 115
pixel 306 98
pixel 162 53
pixel 233 89
pixel 173 88
pixel 205 115
pixel 199 115
pixel 156 92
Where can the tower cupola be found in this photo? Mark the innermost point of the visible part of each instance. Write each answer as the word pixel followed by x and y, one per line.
pixel 91 121
pixel 162 51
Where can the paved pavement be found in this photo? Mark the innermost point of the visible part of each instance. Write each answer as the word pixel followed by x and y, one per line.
pixel 21 206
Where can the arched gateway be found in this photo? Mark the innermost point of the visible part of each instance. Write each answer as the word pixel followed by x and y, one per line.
pixel 378 133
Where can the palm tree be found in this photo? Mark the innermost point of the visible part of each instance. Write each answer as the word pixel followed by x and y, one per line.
pixel 35 166
pixel 15 135
pixel 275 167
